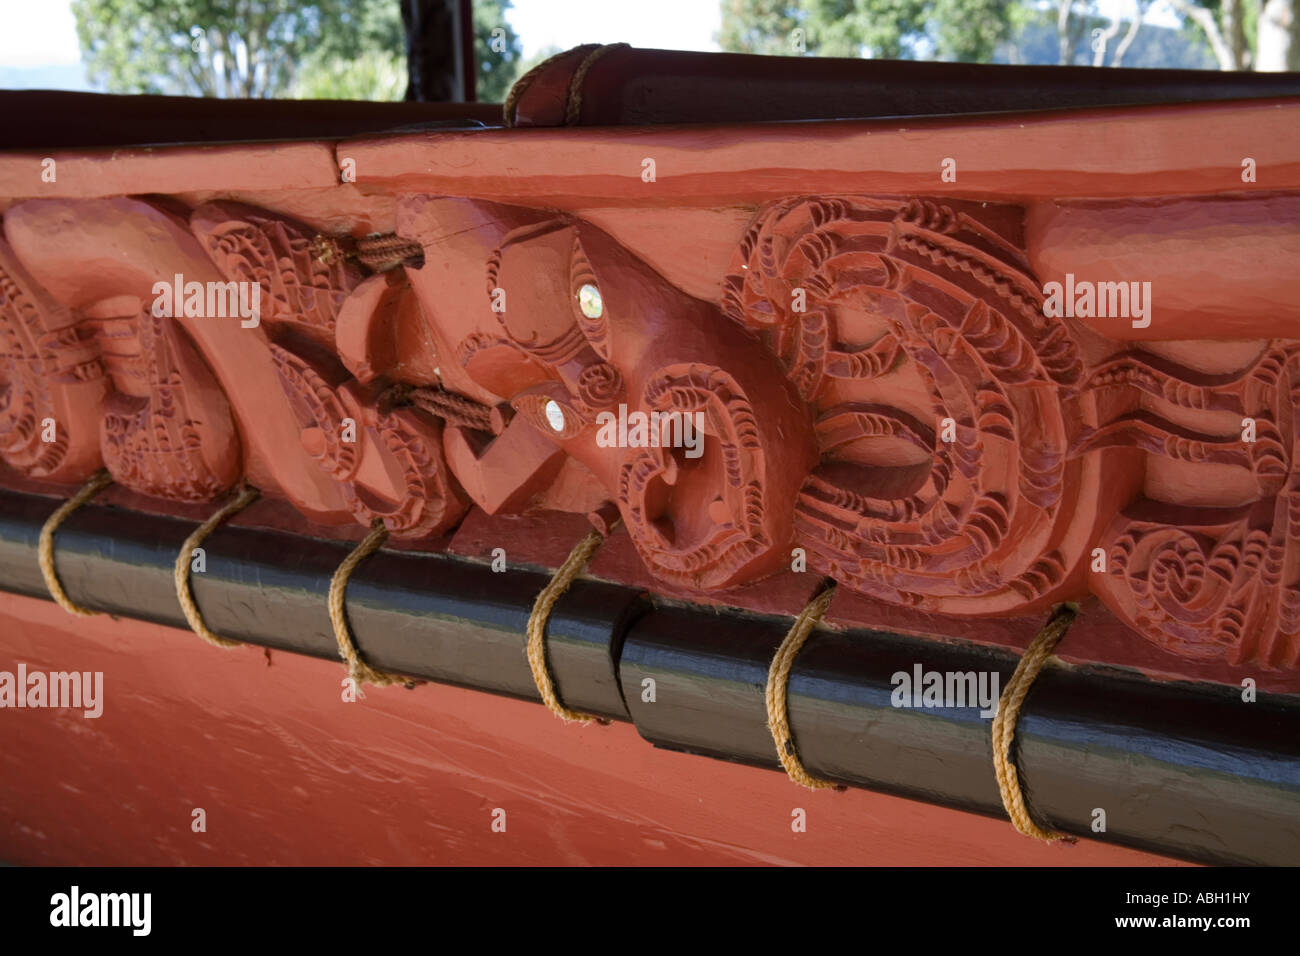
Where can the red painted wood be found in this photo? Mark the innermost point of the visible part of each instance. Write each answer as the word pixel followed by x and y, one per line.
pixel 290 774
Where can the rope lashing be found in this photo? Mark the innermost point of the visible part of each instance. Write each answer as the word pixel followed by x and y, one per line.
pixel 541 613
pixel 379 253
pixel 358 670
pixel 451 407
pixel 778 682
pixel 573 97
pixel 184 562
pixel 573 107
pixel 45 547
pixel 1004 722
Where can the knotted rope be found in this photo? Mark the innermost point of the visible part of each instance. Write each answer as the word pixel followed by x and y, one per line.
pixel 45 546
pixel 358 670
pixel 453 408
pixel 378 253
pixel 778 682
pixel 573 99
pixel 554 590
pixel 184 562
pixel 1004 722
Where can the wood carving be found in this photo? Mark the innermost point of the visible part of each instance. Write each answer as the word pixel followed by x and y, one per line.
pixel 900 323
pixel 52 382
pixel 1209 582
pixel 166 429
pixel 877 383
pixel 619 341
pixel 388 464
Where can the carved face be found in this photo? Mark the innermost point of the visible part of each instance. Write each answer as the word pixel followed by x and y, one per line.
pixel 651 389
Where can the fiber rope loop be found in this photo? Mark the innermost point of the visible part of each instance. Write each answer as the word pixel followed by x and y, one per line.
pixel 45 545
pixel 537 621
pixel 1004 722
pixel 360 672
pixel 778 682
pixel 184 563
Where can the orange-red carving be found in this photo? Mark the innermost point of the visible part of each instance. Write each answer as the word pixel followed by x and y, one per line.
pixel 166 428
pixel 877 384
pixel 618 340
pixel 944 399
pixel 52 381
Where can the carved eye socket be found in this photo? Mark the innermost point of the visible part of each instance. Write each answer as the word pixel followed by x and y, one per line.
pixel 588 301
pixel 551 416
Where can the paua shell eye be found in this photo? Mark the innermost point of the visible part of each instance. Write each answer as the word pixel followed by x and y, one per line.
pixel 590 302
pixel 554 416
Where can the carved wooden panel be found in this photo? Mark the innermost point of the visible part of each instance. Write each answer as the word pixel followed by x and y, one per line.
pixel 877 385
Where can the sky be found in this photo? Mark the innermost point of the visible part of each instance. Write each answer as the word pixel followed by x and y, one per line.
pixel 39 39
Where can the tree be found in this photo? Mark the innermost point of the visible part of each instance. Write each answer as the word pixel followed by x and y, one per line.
pixel 1223 25
pixel 1278 38
pixel 1078 18
pixel 1247 34
pixel 760 26
pixel 497 50
pixel 371 75
pixel 227 48
pixel 968 30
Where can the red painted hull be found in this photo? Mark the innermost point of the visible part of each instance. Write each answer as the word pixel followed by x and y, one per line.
pixel 290 774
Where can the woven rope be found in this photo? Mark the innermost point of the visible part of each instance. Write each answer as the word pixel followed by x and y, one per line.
pixel 449 406
pixel 573 103
pixel 45 548
pixel 778 682
pixel 358 670
pixel 1004 722
pixel 184 560
pixel 377 253
pixel 554 590
pixel 385 252
pixel 521 85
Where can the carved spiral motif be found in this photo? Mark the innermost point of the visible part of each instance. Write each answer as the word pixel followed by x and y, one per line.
pixel 1209 583
pixel 700 550
pixel 1212 591
pixel 939 385
pixel 429 502
pixel 338 430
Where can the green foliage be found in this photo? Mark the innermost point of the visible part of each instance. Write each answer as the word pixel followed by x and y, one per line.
pixel 759 26
pixel 333 49
pixel 372 75
pixel 234 48
pixel 496 57
pixel 884 29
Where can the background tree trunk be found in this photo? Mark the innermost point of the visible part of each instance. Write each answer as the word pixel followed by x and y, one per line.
pixel 1278 37
pixel 439 50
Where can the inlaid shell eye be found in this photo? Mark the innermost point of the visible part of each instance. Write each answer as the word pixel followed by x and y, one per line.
pixel 554 416
pixel 590 302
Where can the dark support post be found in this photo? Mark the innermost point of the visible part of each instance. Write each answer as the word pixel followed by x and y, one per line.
pixel 439 50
